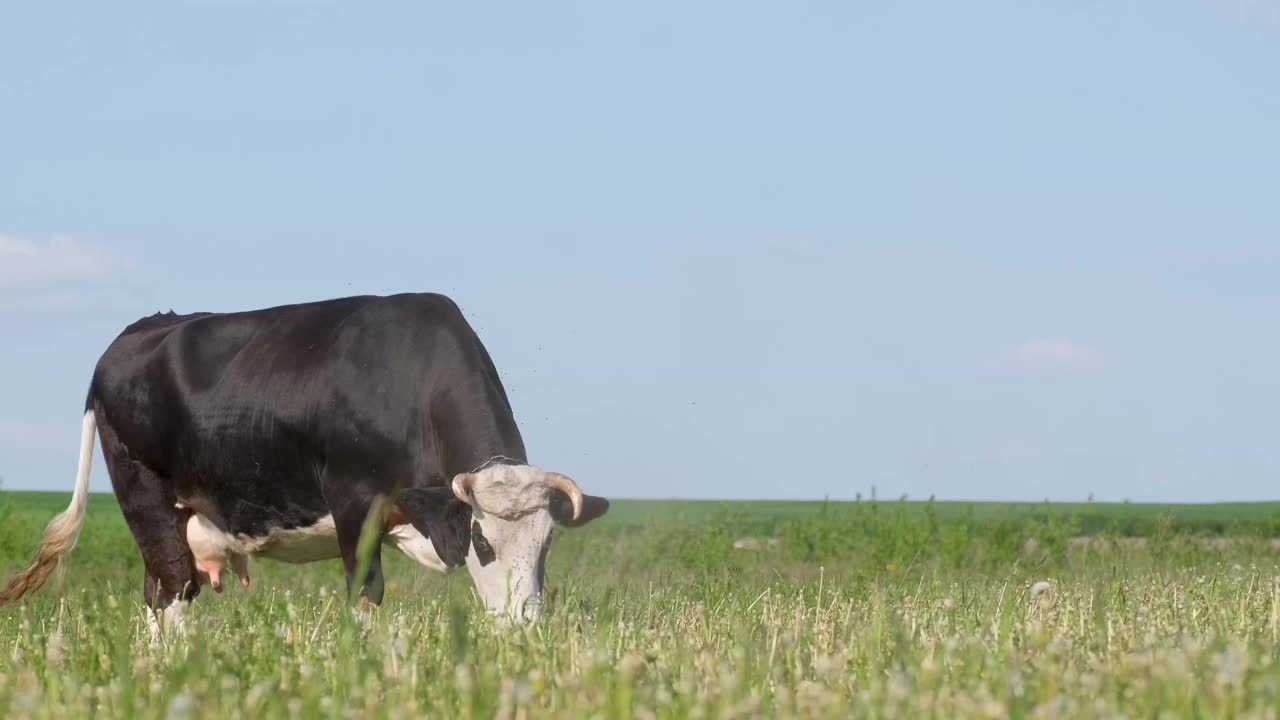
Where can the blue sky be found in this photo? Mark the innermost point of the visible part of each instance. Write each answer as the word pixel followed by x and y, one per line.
pixel 1000 250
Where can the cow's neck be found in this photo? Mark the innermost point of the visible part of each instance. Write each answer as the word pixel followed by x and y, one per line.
pixel 498 460
pixel 476 427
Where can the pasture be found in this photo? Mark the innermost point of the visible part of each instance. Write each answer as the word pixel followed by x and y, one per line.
pixel 866 609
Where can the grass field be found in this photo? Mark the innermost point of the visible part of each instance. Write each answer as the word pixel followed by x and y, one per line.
pixel 867 609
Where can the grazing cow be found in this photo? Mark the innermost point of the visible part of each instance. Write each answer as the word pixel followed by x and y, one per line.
pixel 278 432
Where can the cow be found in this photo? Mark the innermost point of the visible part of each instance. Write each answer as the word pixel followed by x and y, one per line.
pixel 285 432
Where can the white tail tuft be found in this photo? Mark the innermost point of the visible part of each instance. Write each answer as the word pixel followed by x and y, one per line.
pixel 63 531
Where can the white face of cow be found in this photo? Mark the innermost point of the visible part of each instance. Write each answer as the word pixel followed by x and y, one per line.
pixel 514 509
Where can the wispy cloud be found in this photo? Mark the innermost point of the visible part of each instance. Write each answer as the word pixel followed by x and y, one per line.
pixel 61 273
pixel 1256 13
pixel 1056 352
pixel 28 264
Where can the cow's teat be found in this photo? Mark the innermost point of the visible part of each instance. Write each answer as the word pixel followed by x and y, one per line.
pixel 214 551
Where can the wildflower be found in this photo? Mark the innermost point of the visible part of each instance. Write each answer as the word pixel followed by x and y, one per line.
pixel 824 665
pixel 256 694
pixel 463 678
pixel 55 649
pixel 631 664
pixel 523 691
pixel 181 706
pixel 1230 666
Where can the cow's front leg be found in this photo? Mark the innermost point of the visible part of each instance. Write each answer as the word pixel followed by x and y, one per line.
pixel 350 513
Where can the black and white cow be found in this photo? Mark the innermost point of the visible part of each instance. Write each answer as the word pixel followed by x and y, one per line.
pixel 278 432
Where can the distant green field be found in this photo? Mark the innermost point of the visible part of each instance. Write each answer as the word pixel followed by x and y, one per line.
pixel 858 609
pixel 1125 518
pixel 1250 518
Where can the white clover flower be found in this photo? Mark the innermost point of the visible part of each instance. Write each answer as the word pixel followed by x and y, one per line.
pixel 55 649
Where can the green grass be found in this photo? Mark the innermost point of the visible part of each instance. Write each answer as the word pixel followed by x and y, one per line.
pixel 866 609
pixel 1124 518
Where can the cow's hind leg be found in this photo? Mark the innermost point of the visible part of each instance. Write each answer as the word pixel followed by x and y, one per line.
pixel 147 502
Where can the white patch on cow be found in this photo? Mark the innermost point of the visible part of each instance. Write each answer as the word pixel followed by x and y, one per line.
pixel 214 548
pixel 412 543
pixel 300 545
pixel 510 505
pixel 511 584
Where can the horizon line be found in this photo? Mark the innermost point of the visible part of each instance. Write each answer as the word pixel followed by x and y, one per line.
pixel 845 500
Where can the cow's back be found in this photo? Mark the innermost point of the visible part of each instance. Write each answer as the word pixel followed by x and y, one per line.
pixel 242 410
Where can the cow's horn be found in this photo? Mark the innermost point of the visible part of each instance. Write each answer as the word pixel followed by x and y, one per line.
pixel 566 485
pixel 463 484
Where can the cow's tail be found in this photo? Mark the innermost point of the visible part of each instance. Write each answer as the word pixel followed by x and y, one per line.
pixel 62 532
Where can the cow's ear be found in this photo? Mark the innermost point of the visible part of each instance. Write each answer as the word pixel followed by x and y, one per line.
pixel 562 509
pixel 442 518
pixel 450 534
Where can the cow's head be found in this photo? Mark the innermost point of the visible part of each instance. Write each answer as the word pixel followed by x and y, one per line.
pixel 513 511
